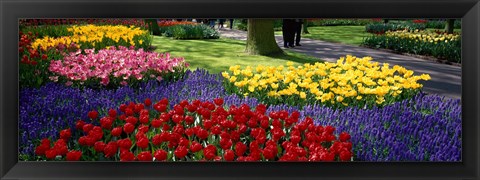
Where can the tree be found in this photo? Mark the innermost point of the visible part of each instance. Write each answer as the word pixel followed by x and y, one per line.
pixel 305 27
pixel 261 38
pixel 449 25
pixel 153 26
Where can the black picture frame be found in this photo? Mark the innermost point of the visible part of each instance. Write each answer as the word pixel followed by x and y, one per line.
pixel 467 10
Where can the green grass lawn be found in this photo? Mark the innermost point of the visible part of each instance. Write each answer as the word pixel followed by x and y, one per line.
pixel 352 35
pixel 217 55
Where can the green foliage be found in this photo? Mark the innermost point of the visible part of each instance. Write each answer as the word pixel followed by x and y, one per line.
pixel 380 28
pixel 47 30
pixel 450 51
pixel 457 24
pixel 153 26
pixel 277 25
pixel 188 31
pixel 339 22
pixel 38 74
pixel 435 24
pixel 440 24
pixel 146 40
pixel 241 24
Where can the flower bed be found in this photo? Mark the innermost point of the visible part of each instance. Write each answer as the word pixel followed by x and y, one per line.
pixel 174 23
pixel 423 128
pixel 351 81
pixel 424 36
pixel 99 37
pixel 418 129
pixel 115 67
pixel 45 110
pixel 103 21
pixel 198 131
pixel 201 116
pixel 439 45
pixel 45 43
pixel 34 62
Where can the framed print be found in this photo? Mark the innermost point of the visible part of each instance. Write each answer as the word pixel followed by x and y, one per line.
pixel 250 89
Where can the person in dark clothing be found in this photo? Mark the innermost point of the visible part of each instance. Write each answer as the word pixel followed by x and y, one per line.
pixel 288 31
pixel 298 31
pixel 220 23
pixel 231 23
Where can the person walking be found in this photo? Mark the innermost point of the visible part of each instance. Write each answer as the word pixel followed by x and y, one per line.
pixel 298 31
pixel 220 23
pixel 231 23
pixel 288 27
pixel 211 23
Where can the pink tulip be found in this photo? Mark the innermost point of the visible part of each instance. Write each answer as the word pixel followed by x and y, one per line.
pixel 119 62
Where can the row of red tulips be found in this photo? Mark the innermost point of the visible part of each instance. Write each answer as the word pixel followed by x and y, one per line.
pixel 197 131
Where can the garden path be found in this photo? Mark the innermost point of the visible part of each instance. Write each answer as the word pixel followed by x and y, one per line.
pixel 446 79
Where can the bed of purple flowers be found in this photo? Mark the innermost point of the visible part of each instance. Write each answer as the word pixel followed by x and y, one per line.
pixel 424 128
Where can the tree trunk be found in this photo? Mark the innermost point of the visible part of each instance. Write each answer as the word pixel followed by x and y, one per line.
pixel 260 38
pixel 305 27
pixel 449 25
pixel 153 26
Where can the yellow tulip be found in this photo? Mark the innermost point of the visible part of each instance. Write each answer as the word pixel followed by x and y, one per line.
pixel 303 95
pixel 233 79
pixel 225 75
pixel 339 98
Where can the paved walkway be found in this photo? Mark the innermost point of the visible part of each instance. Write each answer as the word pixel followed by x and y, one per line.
pixel 446 79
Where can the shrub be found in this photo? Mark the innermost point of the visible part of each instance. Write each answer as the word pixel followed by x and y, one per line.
pixel 457 24
pixel 351 81
pixel 188 31
pixel 241 24
pixel 380 28
pixel 439 45
pixel 339 22
pixel 440 24
pixel 277 25
pixel 436 24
